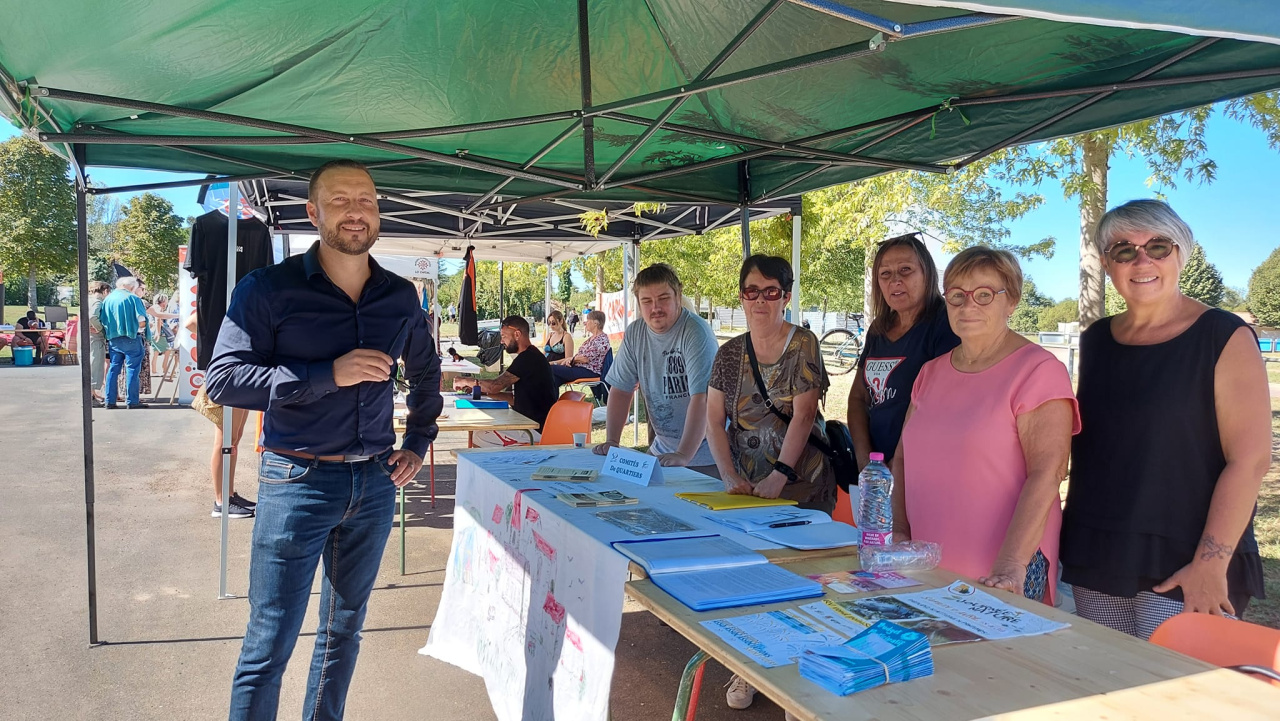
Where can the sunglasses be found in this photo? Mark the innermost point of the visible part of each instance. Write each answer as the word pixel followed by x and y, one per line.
pixel 981 296
pixel 1156 249
pixel 773 292
pixel 401 383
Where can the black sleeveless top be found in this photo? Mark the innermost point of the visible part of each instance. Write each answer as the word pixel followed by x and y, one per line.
pixel 1146 462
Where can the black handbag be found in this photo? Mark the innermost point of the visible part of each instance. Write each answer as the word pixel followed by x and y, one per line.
pixel 839 447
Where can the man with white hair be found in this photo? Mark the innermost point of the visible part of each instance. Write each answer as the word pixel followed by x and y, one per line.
pixel 123 315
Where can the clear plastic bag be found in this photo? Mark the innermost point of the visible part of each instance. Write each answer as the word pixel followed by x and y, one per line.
pixel 908 556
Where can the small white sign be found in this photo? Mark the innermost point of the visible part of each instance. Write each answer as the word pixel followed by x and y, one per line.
pixel 635 467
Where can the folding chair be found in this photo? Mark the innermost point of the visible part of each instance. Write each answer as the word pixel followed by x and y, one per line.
pixel 1227 642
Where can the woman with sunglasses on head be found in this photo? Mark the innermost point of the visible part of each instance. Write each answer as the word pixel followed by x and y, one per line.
pixel 986 440
pixel 756 451
pixel 1176 440
pixel 558 343
pixel 910 328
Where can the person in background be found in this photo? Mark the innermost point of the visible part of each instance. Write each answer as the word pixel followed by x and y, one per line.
pixel 1176 440
pixel 910 328
pixel 97 342
pixel 756 451
pixel 667 355
pixel 240 507
pixel 124 321
pixel 985 444
pixel 533 388
pixel 453 312
pixel 453 355
pixel 589 360
pixel 558 343
pixel 572 320
pixel 161 341
pixel 39 340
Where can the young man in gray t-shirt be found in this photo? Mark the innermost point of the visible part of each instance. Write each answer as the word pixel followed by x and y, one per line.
pixel 668 355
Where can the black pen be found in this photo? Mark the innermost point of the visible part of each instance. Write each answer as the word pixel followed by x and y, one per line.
pixel 789 524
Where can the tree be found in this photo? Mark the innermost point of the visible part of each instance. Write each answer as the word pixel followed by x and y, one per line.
pixel 1232 299
pixel 1026 317
pixel 1173 147
pixel 1067 311
pixel 37 212
pixel 1264 291
pixel 1113 302
pixel 565 291
pixel 1200 279
pixel 149 236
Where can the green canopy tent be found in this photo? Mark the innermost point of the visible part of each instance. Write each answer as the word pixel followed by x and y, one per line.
pixel 707 101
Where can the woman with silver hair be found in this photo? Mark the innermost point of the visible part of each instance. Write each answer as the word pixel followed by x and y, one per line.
pixel 1176 438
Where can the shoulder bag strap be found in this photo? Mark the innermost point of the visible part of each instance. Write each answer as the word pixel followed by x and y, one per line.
pixel 768 403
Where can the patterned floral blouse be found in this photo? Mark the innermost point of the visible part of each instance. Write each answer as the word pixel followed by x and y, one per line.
pixel 755 433
pixel 595 349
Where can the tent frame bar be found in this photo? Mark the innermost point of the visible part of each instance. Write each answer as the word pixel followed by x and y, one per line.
pixel 556 141
pixel 148 107
pixel 584 72
pixel 86 393
pixel 713 66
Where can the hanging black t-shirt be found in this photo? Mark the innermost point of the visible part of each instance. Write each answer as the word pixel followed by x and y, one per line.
pixel 890 369
pixel 207 261
pixel 537 389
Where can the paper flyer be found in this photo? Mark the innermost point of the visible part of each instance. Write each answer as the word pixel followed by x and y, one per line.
pixel 854 617
pixel 863 581
pixel 775 638
pixel 644 521
pixel 980 612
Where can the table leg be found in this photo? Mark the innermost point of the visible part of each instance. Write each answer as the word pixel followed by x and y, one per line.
pixel 431 450
pixel 401 530
pixel 690 686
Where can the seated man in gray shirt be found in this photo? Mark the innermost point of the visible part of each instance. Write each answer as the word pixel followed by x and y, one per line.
pixel 668 355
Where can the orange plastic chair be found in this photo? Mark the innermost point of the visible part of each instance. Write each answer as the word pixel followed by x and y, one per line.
pixel 573 396
pixel 565 419
pixel 1227 642
pixel 843 511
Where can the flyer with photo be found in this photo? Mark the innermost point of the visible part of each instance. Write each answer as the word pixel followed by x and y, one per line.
pixel 774 638
pixel 863 581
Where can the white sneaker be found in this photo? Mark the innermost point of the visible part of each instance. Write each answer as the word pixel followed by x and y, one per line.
pixel 740 693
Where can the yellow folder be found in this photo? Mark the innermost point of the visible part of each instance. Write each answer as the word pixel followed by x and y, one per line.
pixel 721 501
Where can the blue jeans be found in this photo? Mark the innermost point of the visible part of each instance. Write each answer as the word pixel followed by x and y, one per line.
pixel 125 352
pixel 308 511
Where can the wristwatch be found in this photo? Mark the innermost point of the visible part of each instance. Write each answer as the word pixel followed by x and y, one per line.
pixel 786 470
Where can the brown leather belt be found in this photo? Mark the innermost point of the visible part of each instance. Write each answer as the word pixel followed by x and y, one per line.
pixel 326 459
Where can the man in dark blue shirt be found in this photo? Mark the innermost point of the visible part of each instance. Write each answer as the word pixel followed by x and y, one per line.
pixel 311 342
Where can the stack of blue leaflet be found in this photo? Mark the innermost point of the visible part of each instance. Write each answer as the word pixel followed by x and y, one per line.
pixel 885 653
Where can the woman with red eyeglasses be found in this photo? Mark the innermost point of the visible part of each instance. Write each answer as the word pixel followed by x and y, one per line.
pixel 1176 440
pixel 759 453
pixel 984 448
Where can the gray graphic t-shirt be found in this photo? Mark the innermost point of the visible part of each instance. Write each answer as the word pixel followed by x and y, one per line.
pixel 670 368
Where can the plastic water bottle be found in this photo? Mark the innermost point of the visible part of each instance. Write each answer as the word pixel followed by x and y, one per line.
pixel 875 509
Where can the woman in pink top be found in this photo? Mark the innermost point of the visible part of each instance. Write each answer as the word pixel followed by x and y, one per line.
pixel 986 440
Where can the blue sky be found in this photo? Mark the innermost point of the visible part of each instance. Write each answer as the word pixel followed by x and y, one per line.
pixel 1234 217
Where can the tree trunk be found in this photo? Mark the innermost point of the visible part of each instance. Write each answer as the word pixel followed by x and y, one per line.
pixel 868 258
pixel 31 287
pixel 1096 156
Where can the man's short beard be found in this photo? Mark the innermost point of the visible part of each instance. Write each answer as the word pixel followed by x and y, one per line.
pixel 513 347
pixel 332 237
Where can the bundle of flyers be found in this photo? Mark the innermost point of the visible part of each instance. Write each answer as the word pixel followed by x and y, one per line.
pixel 885 653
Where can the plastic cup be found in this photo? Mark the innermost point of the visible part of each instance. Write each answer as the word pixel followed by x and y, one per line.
pixel 579 440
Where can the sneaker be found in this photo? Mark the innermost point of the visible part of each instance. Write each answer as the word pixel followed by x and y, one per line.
pixel 239 500
pixel 111 406
pixel 234 510
pixel 134 406
pixel 740 693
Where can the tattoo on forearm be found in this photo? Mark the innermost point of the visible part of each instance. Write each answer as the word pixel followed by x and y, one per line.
pixel 1212 550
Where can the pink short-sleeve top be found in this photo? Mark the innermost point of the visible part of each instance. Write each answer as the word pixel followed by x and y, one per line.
pixel 964 463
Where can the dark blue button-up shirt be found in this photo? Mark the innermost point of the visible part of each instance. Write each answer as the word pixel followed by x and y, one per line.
pixel 285 327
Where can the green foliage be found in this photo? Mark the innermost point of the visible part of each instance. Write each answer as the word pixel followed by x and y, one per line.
pixel 1233 299
pixel 149 236
pixel 1264 291
pixel 1113 302
pixel 610 262
pixel 565 291
pixel 1067 311
pixel 37 211
pixel 524 283
pixel 1201 280
pixel 1026 317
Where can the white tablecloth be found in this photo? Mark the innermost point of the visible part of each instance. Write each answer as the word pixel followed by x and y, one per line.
pixel 533 590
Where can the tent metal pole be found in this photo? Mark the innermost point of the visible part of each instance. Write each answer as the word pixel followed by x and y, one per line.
pixel 86 397
pixel 588 123
pixel 176 111
pixel 691 168
pixel 516 201
pixel 795 268
pixel 744 192
pixel 630 265
pixel 546 307
pixel 502 308
pixel 233 223
pixel 563 136
pixel 715 64
pixel 1083 104
pixel 184 183
pixel 804 62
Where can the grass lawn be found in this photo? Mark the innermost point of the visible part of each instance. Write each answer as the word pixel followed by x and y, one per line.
pixel 1266 526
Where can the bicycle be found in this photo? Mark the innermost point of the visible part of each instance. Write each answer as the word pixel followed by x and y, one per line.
pixel 841 348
